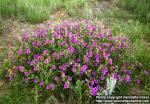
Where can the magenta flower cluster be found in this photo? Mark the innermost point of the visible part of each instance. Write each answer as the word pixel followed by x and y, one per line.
pixel 72 51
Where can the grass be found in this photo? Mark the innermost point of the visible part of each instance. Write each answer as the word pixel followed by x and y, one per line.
pixel 38 10
pixel 15 94
pixel 1 25
pixel 140 7
pixel 3 53
pixel 119 20
pixel 27 10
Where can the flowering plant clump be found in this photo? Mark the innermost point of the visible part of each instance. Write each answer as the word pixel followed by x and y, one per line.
pixel 74 53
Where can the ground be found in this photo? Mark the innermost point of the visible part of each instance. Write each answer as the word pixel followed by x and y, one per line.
pixel 14 28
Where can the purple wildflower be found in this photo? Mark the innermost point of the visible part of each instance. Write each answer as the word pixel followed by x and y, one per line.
pixel 47 87
pixel 76 64
pixel 72 61
pixel 38 43
pixel 25 36
pixel 112 48
pixel 20 68
pixel 119 46
pixel 71 40
pixel 53 67
pixel 35 80
pixel 73 69
pixel 113 75
pixel 61 53
pixel 128 78
pixel 45 52
pixel 95 64
pixel 84 44
pixel 132 65
pixel 120 77
pixel 63 43
pixel 86 58
pixel 41 83
pixel 67 65
pixel 76 41
pixel 102 78
pixel 78 51
pixel 83 69
pixel 46 61
pixel 100 35
pixel 26 74
pixel 99 47
pixel 64 68
pixel 34 43
pixel 93 91
pixel 138 81
pixel 52 85
pixel 92 73
pixel 106 44
pixel 20 51
pixel 48 42
pixel 145 72
pixel 129 71
pixel 35 69
pixel 97 59
pixel 27 51
pixel 56 78
pixel 60 67
pixel 91 83
pixel 69 78
pixel 78 60
pixel 110 61
pixel 140 64
pixel 71 50
pixel 66 85
pixel 104 70
pixel 90 54
pixel 37 56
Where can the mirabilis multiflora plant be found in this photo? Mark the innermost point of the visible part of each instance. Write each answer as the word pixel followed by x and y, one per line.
pixel 71 52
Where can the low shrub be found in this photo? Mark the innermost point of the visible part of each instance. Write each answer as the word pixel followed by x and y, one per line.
pixel 74 57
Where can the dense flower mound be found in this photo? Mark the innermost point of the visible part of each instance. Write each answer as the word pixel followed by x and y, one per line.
pixel 73 52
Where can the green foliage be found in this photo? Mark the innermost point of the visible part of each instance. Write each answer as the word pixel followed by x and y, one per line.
pixel 48 56
pixel 74 7
pixel 1 25
pixel 38 10
pixel 119 20
pixel 15 94
pixel 123 22
pixel 3 53
pixel 140 7
pixel 27 10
